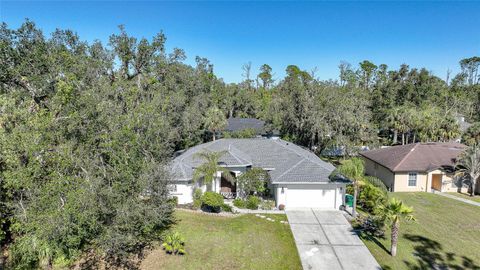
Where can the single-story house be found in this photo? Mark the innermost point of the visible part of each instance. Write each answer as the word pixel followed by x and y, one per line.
pixel 416 167
pixel 298 178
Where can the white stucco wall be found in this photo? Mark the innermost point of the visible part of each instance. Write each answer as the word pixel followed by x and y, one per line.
pixel 184 193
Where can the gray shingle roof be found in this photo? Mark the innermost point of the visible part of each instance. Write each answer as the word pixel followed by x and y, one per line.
pixel 288 162
pixel 238 124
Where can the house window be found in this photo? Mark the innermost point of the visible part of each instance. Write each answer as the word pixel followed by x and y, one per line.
pixel 172 188
pixel 412 179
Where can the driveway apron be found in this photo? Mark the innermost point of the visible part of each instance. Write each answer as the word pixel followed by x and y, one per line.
pixel 325 240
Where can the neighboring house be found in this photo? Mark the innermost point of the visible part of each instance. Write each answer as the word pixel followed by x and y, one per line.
pixel 464 125
pixel 298 178
pixel 240 124
pixel 416 167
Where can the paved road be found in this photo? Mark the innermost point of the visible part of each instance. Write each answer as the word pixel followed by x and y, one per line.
pixel 325 240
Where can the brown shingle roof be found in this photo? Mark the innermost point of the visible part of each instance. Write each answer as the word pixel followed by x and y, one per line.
pixel 416 157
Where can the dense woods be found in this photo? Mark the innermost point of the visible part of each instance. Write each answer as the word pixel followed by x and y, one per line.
pixel 86 129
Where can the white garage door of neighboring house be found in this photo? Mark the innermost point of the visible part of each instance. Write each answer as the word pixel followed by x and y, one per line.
pixel 315 198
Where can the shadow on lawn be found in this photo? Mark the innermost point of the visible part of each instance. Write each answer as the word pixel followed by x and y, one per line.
pixel 91 261
pixel 429 254
pixel 368 237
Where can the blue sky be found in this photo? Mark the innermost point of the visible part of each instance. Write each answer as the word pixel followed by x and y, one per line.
pixel 435 35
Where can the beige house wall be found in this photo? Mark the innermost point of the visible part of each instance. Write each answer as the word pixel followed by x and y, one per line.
pixel 448 182
pixel 374 169
pixel 424 182
pixel 401 182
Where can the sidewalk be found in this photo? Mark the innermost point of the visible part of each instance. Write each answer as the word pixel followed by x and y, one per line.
pixel 456 198
pixel 259 211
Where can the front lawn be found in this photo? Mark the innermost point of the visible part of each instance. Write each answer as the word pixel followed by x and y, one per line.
pixel 475 198
pixel 446 235
pixel 243 242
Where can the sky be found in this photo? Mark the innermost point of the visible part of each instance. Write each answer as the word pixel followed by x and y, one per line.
pixel 311 35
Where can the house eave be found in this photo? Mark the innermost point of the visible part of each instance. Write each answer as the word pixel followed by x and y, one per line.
pixel 306 183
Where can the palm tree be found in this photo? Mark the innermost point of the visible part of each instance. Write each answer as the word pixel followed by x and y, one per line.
pixel 391 120
pixel 393 212
pixel 209 168
pixel 468 164
pixel 354 170
pixel 398 119
pixel 215 120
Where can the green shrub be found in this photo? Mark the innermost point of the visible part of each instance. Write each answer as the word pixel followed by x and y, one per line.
pixel 253 181
pixel 197 198
pixel 173 200
pixel 267 205
pixel 62 263
pixel 212 202
pixel 226 208
pixel 174 243
pixel 33 253
pixel 371 196
pixel 252 202
pixel 239 203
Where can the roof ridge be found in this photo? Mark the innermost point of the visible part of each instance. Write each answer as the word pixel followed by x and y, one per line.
pixel 189 153
pixel 277 142
pixel 239 159
pixel 291 168
pixel 318 162
pixel 184 173
pixel 405 157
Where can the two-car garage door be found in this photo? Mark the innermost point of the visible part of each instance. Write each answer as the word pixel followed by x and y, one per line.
pixel 311 197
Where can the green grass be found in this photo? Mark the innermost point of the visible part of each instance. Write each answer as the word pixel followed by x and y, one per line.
pixel 243 242
pixel 446 235
pixel 476 198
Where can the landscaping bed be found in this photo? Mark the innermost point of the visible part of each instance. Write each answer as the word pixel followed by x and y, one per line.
pixel 445 235
pixel 242 242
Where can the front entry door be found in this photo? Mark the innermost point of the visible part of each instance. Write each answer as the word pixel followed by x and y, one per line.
pixel 437 182
pixel 226 186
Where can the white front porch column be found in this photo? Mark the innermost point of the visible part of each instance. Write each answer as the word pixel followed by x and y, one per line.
pixel 218 180
pixel 281 195
pixel 238 188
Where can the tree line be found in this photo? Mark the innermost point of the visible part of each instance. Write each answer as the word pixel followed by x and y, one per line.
pixel 87 129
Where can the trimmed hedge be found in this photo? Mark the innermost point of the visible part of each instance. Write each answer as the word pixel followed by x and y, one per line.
pixel 239 203
pixel 252 202
pixel 197 198
pixel 226 208
pixel 212 202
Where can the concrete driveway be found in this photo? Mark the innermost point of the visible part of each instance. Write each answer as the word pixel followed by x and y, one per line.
pixel 325 240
